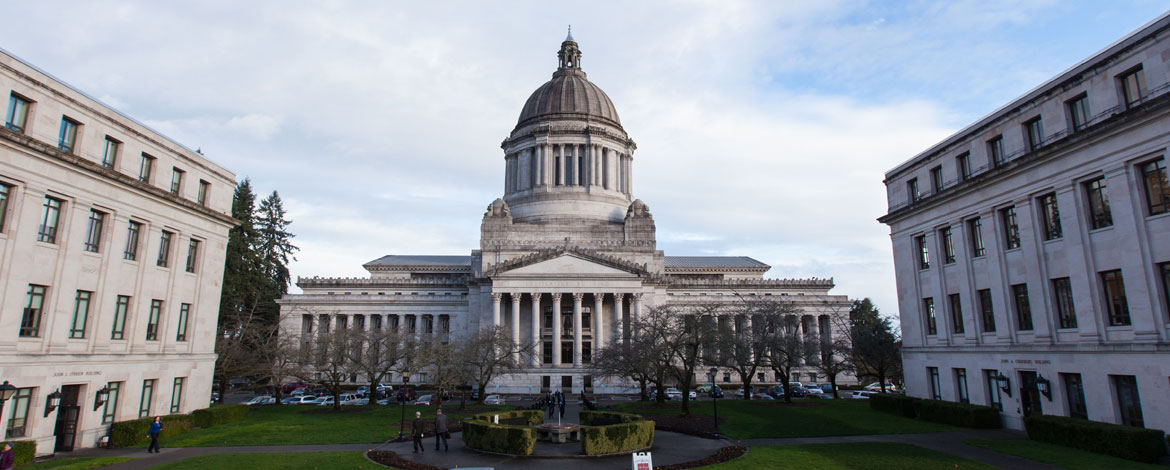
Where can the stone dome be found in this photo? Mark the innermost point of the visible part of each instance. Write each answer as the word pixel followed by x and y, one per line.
pixel 569 94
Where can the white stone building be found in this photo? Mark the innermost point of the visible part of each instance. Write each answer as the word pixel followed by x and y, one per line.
pixel 112 241
pixel 567 239
pixel 1032 248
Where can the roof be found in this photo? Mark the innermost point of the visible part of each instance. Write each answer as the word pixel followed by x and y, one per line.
pixel 713 262
pixel 569 94
pixel 421 260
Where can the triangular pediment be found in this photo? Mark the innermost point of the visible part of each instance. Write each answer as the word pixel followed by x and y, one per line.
pixel 567 262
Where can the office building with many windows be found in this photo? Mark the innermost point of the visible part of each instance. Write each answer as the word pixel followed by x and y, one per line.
pixel 1052 293
pixel 110 273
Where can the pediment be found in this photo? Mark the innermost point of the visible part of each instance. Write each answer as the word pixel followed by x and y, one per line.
pixel 567 263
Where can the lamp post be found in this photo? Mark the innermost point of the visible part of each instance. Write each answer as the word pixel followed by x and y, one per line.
pixel 52 401
pixel 402 423
pixel 1004 383
pixel 714 397
pixel 101 397
pixel 7 390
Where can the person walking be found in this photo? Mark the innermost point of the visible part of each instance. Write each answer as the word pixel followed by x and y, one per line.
pixel 417 429
pixel 155 430
pixel 441 431
pixel 7 457
pixel 561 403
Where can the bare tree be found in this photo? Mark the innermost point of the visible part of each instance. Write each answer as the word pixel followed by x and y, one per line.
pixel 330 360
pixel 282 358
pixel 446 367
pixel 836 351
pixel 785 347
pixel 236 348
pixel 491 353
pixel 379 352
pixel 736 346
pixel 680 329
pixel 623 361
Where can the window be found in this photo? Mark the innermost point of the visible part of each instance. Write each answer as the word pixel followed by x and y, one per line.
pixel 986 310
pixel 1099 214
pixel 956 313
pixel 1115 304
pixel 1050 217
pixel 1065 310
pixel 131 252
pixel 17 116
pixel 110 155
pixel 993 398
pixel 80 314
pixel 1023 307
pixel 936 179
pixel 1157 188
pixel 923 252
pixel 67 138
pixel 18 423
pixel 192 255
pixel 120 310
pixel 5 194
pixel 52 216
pixel 147 396
pixel 204 187
pixel 1034 134
pixel 995 151
pixel 1074 396
pixel 1129 403
pixel 948 244
pixel 152 321
pixel 176 181
pixel 1078 112
pixel 975 227
pixel 1165 267
pixel 963 163
pixel 93 236
pixel 177 394
pixel 928 308
pixel 726 377
pixel 935 386
pixel 1132 84
pixel 164 249
pixel 30 322
pixel 185 311
pixel 912 190
pixel 145 168
pixel 961 385
pixel 110 409
pixel 1011 230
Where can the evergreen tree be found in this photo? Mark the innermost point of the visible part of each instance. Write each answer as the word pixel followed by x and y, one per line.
pixel 877 348
pixel 274 250
pixel 241 274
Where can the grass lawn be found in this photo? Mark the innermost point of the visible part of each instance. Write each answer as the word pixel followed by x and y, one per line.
pixel 1061 456
pixel 287 425
pixel 277 461
pixel 874 456
pixel 743 419
pixel 76 463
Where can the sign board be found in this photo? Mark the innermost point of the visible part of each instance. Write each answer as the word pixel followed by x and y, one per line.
pixel 495 419
pixel 642 461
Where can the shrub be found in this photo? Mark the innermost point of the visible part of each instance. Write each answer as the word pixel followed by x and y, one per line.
pixel 901 405
pixel 617 438
pixel 133 432
pixel 532 417
pixel 601 418
pixel 24 451
pixel 479 433
pixel 218 414
pixel 1127 442
pixel 957 414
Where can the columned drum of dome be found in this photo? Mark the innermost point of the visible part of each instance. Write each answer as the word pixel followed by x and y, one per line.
pixel 568 157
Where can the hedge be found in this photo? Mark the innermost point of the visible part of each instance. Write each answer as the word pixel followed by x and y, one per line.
pixel 133 432
pixel 630 433
pixel 1127 442
pixel 218 414
pixel 479 433
pixel 901 405
pixel 24 451
pixel 957 414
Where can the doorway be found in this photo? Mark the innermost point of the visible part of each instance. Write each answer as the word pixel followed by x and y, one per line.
pixel 1030 394
pixel 566 384
pixel 545 384
pixel 67 415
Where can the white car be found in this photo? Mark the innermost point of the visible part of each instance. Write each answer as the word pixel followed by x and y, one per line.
pixel 814 392
pixel 693 395
pixel 305 400
pixel 673 394
pixel 862 394
pixel 877 387
pixel 263 400
pixel 325 401
pixel 493 400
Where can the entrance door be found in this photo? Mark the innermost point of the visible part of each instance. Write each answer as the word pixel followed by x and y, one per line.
pixel 67 415
pixel 567 384
pixel 545 383
pixel 1030 394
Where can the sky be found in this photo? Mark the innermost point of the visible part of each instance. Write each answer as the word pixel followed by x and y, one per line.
pixel 764 129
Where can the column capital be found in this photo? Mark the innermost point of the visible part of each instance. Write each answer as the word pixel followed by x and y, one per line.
pixel 556 297
pixel 577 296
pixel 638 296
pixel 517 296
pixel 597 296
pixel 534 296
pixel 497 296
pixel 619 295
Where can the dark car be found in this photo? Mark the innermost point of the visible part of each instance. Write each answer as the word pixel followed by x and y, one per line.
pixel 406 394
pixel 715 392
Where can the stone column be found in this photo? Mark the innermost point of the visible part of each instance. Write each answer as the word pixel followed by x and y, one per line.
pixel 516 297
pixel 496 299
pixel 556 324
pixel 637 307
pixel 538 345
pixel 577 296
pixel 598 331
pixel 598 155
pixel 618 321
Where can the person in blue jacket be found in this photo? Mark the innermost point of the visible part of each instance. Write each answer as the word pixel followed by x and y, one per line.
pixel 155 430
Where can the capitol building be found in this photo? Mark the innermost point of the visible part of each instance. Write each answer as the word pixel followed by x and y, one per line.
pixel 568 239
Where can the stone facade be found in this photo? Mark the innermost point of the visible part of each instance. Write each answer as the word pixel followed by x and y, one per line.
pixel 1033 245
pixel 82 306
pixel 566 258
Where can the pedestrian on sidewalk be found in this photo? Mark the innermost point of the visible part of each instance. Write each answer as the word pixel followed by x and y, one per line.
pixel 7 458
pixel 417 430
pixel 155 430
pixel 441 431
pixel 561 403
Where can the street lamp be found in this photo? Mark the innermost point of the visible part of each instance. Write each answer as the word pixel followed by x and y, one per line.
pixel 1004 383
pixel 52 401
pixel 101 397
pixel 7 390
pixel 402 424
pixel 714 397
pixel 1044 387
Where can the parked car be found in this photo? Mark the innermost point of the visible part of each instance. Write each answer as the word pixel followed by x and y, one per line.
pixel 298 392
pixel 673 394
pixel 493 400
pixel 862 394
pixel 693 395
pixel 289 400
pixel 814 392
pixel 325 401
pixel 762 396
pixel 305 400
pixel 704 388
pixel 239 383
pixel 289 388
pixel 427 400
pixel 877 387
pixel 827 388
pixel 362 401
pixel 406 394
pixel 715 392
pixel 261 400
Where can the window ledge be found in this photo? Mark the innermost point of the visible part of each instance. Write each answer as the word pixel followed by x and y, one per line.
pixel 1053 241
pixel 1009 250
pixel 1101 229
pixel 1158 216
